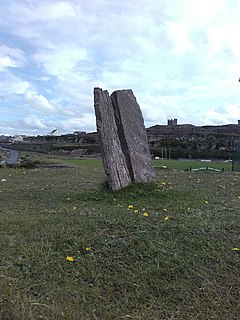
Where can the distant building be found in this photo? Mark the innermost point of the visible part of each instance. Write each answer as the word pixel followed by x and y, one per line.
pixel 172 122
pixel 55 133
pixel 17 139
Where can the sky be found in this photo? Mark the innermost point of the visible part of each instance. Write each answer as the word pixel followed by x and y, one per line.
pixel 180 58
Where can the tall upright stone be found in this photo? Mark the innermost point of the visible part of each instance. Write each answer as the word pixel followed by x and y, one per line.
pixel 123 138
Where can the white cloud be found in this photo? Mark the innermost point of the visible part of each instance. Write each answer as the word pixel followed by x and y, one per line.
pixel 11 57
pixel 78 123
pixel 34 123
pixel 13 85
pixel 39 103
pixel 179 34
pixel 43 11
pixel 181 58
pixel 61 61
pixel 233 111
pixel 85 122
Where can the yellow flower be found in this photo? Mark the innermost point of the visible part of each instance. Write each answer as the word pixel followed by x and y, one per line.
pixel 70 258
pixel 189 209
pixel 145 214
pixel 206 202
pixel 74 208
pixel 238 197
pixel 163 183
pixel 165 209
pixel 130 206
pixel 136 211
pixel 88 248
pixel 68 198
pixel 166 218
pixel 236 249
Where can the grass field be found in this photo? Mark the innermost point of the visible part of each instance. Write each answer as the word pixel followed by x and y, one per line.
pixel 71 249
pixel 87 162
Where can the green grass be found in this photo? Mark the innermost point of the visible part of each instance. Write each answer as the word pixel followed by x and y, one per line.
pixel 176 263
pixel 186 164
pixel 92 162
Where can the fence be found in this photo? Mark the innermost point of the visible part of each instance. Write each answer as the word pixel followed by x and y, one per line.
pixel 236 156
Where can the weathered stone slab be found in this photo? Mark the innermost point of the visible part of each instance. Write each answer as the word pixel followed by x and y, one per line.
pixel 123 138
pixel 133 135
pixel 113 158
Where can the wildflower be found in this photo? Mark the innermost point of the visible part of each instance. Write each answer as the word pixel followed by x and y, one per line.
pixel 206 202
pixel 136 211
pixel 165 209
pixel 68 198
pixel 70 258
pixel 236 249
pixel 74 208
pixel 145 214
pixel 88 249
pixel 3 180
pixel 238 197
pixel 189 209
pixel 166 218
pixel 163 183
pixel 130 206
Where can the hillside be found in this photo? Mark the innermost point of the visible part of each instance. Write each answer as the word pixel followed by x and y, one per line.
pixel 193 141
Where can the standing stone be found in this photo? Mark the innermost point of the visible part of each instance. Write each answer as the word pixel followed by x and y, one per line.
pixel 114 161
pixel 123 138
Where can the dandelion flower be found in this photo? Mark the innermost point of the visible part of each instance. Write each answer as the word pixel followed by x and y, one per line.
pixel 130 206
pixel 74 208
pixel 145 214
pixel 236 249
pixel 206 202
pixel 88 249
pixel 68 198
pixel 70 258
pixel 166 218
pixel 165 209
pixel 136 211
pixel 163 183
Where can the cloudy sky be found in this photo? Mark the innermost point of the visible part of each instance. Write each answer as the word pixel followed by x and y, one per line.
pixel 180 58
